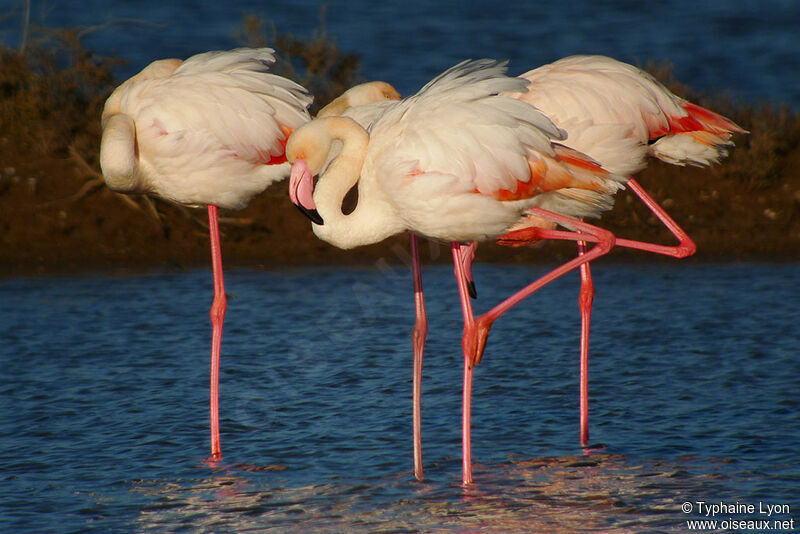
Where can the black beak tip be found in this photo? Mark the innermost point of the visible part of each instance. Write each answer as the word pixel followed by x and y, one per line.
pixel 311 214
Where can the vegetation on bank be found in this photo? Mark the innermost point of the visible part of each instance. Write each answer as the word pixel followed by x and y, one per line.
pixel 55 215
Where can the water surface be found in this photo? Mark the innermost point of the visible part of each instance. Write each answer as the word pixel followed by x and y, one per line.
pixel 694 380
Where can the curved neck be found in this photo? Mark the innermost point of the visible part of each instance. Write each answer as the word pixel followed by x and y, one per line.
pixel 373 218
pixel 118 158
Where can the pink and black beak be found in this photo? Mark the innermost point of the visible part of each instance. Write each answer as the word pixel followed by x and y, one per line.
pixel 301 191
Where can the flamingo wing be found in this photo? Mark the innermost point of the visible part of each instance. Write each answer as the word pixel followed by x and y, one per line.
pixel 230 98
pixel 610 108
pixel 218 114
pixel 461 146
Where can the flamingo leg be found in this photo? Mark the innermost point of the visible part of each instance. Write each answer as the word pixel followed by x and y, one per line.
pixel 218 308
pixel 476 330
pixel 418 340
pixel 686 246
pixel 585 303
pixel 467 253
pixel 459 258
pixel 584 232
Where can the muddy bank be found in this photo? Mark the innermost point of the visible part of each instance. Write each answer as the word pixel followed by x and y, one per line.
pixel 44 231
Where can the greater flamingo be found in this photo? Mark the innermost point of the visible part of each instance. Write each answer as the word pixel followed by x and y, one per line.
pixel 619 115
pixel 459 162
pixel 211 131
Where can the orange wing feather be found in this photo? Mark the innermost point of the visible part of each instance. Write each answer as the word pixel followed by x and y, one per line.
pixel 698 118
pixel 551 174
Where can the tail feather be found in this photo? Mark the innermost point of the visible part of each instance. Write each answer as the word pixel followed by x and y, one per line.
pixel 700 138
pixel 701 148
pixel 695 118
pixel 711 121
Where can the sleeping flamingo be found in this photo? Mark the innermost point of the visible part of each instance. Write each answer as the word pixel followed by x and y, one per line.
pixel 458 162
pixel 211 131
pixel 620 116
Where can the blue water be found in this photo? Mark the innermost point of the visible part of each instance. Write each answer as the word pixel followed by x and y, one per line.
pixel 104 427
pixel 750 49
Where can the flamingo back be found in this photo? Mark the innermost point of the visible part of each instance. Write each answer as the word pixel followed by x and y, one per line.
pixel 613 110
pixel 214 130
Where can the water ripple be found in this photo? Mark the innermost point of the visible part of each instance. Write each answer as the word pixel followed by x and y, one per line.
pixel 693 394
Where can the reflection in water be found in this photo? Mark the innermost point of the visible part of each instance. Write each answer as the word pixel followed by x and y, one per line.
pixel 600 492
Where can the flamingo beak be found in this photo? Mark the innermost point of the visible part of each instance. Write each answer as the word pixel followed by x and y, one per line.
pixel 301 191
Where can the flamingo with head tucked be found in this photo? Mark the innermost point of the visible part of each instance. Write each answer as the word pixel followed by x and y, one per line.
pixel 621 116
pixel 458 162
pixel 210 131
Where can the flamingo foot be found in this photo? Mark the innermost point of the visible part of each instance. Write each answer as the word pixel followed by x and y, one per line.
pixel 213 461
pixel 473 292
pixel 479 335
pixel 521 238
pixel 473 341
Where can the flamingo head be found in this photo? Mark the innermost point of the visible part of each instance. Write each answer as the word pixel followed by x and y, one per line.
pixel 301 190
pixel 360 95
pixel 315 149
pixel 307 150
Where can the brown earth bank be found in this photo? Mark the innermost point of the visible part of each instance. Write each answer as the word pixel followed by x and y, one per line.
pixel 44 229
pixel 56 216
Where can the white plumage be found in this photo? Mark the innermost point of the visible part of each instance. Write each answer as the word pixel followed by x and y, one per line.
pixel 210 130
pixel 612 111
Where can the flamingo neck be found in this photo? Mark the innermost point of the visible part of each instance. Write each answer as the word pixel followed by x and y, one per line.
pixel 118 158
pixel 373 218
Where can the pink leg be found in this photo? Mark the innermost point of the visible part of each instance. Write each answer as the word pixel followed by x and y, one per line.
pixel 476 331
pixel 585 303
pixel 218 308
pixel 585 232
pixel 418 341
pixel 686 246
pixel 466 392
pixel 467 253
